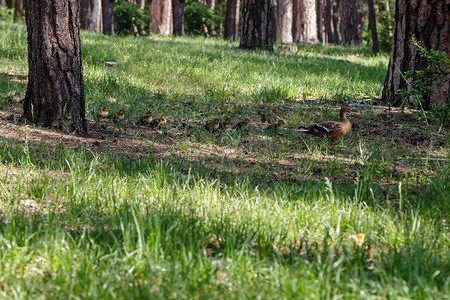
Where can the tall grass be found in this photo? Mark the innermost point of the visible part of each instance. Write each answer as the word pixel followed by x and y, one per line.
pixel 85 222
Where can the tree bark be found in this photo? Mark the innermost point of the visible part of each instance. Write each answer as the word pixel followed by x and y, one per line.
pixel 18 10
pixel 232 20
pixel 108 16
pixel 178 16
pixel 141 3
pixel 351 22
pixel 161 11
pixel 9 3
pixel 373 27
pixel 305 24
pixel 284 21
pixel 2 3
pixel 258 25
pixel 55 92
pixel 91 15
pixel 430 24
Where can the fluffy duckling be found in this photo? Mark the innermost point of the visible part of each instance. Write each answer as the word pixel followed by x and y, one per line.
pixel 225 123
pixel 104 112
pixel 212 125
pixel 119 116
pixel 146 119
pixel 240 125
pixel 275 126
pixel 158 122
pixel 332 129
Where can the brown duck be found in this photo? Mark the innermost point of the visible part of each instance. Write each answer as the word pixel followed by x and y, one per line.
pixel 333 130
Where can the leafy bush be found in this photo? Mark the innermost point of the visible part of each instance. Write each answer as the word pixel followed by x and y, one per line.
pixel 385 26
pixel 6 13
pixel 130 19
pixel 201 19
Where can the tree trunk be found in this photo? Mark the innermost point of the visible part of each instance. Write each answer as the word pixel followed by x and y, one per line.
pixel 91 15
pixel 258 25
pixel 373 27
pixel 18 10
pixel 429 24
pixel 141 3
pixel 55 92
pixel 305 30
pixel 232 20
pixel 178 16
pixel 2 3
pixel 108 16
pixel 9 3
pixel 161 11
pixel 351 22
pixel 284 21
pixel 335 21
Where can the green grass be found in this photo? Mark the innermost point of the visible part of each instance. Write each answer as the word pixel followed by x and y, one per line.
pixel 271 219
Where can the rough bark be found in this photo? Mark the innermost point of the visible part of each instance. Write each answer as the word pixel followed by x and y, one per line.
pixel 108 16
pixel 429 23
pixel 373 27
pixel 55 92
pixel 91 15
pixel 161 11
pixel 18 10
pixel 232 20
pixel 178 16
pixel 258 25
pixel 351 22
pixel 284 21
pixel 305 24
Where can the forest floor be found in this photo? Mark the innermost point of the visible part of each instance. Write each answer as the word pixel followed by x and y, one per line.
pixel 183 213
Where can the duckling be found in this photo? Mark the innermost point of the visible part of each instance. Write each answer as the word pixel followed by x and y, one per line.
pixel 225 123
pixel 146 119
pixel 158 122
pixel 104 112
pixel 275 126
pixel 332 129
pixel 212 125
pixel 119 116
pixel 16 98
pixel 240 125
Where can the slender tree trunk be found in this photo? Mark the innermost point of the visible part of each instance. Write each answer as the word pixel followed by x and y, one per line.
pixel 91 15
pixel 306 30
pixel 351 22
pixel 284 21
pixel 18 10
pixel 9 3
pixel 258 25
pixel 2 3
pixel 429 24
pixel 335 17
pixel 373 27
pixel 108 16
pixel 178 16
pixel 161 11
pixel 141 3
pixel 232 20
pixel 55 92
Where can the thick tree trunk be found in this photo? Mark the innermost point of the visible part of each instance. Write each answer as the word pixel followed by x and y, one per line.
pixel 55 92
pixel 18 10
pixel 305 30
pixel 161 11
pixel 91 15
pixel 232 20
pixel 108 16
pixel 430 24
pixel 178 16
pixel 373 27
pixel 284 21
pixel 258 25
pixel 351 22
